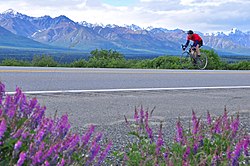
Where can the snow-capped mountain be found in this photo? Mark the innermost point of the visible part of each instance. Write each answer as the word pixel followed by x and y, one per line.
pixel 64 32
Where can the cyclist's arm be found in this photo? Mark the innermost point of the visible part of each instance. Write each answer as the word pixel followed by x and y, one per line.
pixel 187 43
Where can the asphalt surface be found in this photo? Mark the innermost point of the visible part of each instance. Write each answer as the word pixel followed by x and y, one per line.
pixel 52 79
pixel 109 108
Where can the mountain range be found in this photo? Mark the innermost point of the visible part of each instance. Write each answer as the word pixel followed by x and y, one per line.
pixel 18 30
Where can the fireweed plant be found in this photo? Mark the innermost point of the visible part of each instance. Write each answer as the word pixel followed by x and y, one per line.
pixel 27 137
pixel 214 141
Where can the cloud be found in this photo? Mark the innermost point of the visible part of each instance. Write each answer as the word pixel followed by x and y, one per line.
pixel 199 15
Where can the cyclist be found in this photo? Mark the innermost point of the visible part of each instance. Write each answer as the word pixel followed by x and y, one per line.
pixel 197 42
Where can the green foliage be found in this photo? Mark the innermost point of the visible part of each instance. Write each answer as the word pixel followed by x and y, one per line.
pixel 44 61
pixel 113 59
pixel 79 63
pixel 106 54
pixel 214 61
pixel 166 62
pixel 216 141
pixel 14 62
pixel 106 59
pixel 242 65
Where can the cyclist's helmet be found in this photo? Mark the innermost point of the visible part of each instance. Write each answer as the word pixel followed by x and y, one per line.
pixel 190 32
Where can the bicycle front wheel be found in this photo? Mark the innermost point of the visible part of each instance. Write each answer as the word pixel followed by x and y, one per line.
pixel 202 61
pixel 185 60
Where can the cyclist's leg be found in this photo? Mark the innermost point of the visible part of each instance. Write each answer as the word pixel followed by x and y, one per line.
pixel 200 43
pixel 198 50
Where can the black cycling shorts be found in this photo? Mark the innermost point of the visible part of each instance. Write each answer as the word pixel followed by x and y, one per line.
pixel 198 42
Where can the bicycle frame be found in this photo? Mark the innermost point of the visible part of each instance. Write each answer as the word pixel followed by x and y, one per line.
pixel 189 59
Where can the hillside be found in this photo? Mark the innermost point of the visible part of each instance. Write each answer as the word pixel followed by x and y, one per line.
pixel 129 40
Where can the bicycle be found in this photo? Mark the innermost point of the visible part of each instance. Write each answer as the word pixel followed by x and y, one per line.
pixel 189 59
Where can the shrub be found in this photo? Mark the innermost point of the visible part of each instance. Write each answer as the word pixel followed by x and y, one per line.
pixel 44 61
pixel 214 61
pixel 14 62
pixel 79 63
pixel 27 137
pixel 107 59
pixel 166 62
pixel 218 141
pixel 242 65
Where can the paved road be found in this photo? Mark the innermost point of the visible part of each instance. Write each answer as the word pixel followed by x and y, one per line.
pixel 106 109
pixel 54 79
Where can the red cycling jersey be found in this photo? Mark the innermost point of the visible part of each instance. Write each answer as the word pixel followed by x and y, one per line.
pixel 195 37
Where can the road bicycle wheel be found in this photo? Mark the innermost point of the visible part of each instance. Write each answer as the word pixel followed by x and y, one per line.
pixel 202 61
pixel 185 60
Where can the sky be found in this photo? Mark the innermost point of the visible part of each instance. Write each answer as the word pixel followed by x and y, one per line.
pixel 205 16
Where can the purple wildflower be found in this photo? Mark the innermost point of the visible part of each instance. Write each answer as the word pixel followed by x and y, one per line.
pixel 39 113
pixel 195 123
pixel 246 143
pixel 209 120
pixel 74 141
pixel 225 120
pixel 146 118
pixel 37 158
pixel 87 135
pixel 32 149
pixel 104 153
pixel 2 90
pixel 46 163
pixel 62 163
pixel 98 137
pixel 32 103
pixel 235 126
pixel 215 159
pixel 11 113
pixel 179 134
pixel 186 154
pixel 1 111
pixel 195 146
pixel 63 126
pixel 229 153
pixel 150 133
pixel 52 149
pixel 39 137
pixel 3 127
pixel 217 126
pixel 94 151
pixel 159 143
pixel 236 153
pixel 196 127
pixel 18 145
pixel 141 115
pixel 166 155
pixel 25 135
pixel 18 133
pixel 17 95
pixel 70 142
pixel 21 159
pixel 136 117
pixel 194 118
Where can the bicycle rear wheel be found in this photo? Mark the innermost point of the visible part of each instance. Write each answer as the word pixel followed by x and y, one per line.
pixel 185 60
pixel 202 61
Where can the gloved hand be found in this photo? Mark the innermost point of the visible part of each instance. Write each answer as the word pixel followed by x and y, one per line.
pixel 193 48
pixel 184 48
